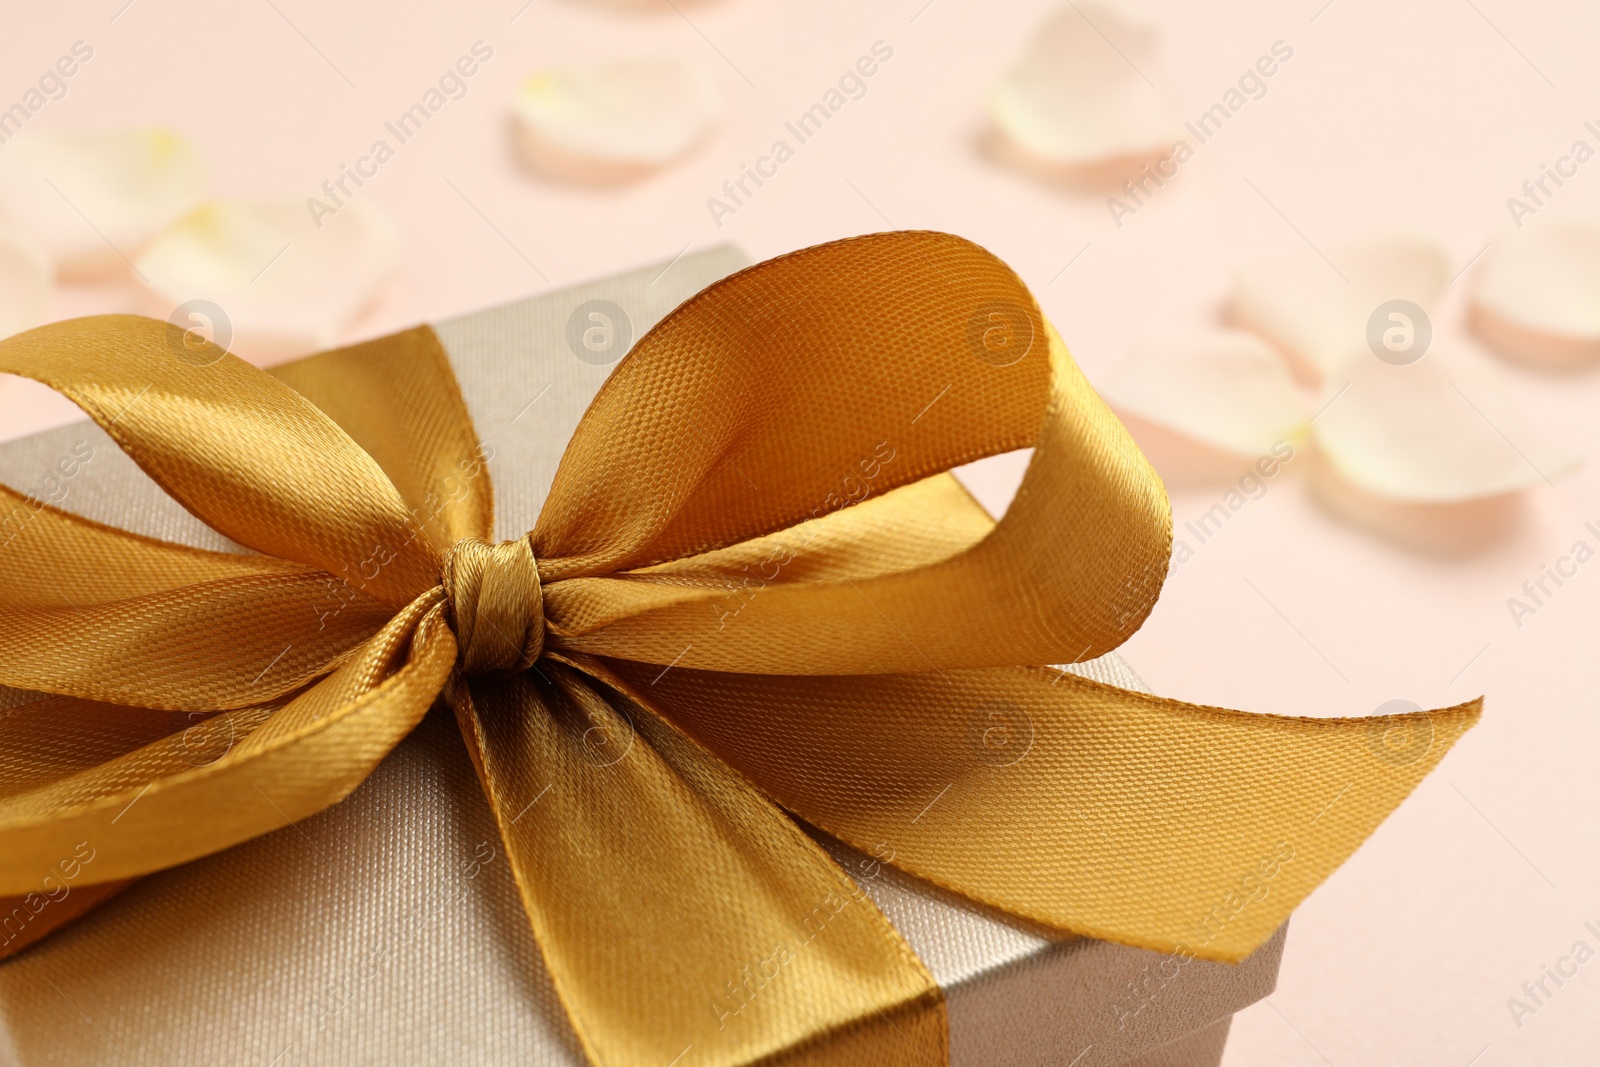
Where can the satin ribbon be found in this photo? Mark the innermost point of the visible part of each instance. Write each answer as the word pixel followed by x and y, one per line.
pixel 754 593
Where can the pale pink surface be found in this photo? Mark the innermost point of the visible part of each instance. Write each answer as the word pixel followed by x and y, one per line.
pixel 1423 118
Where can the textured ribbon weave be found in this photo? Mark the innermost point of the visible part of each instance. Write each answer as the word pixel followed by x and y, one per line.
pixel 754 592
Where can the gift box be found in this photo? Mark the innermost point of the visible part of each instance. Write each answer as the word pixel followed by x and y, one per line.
pixel 388 928
pixel 384 931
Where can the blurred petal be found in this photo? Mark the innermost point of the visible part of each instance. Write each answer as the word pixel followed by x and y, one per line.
pixel 1077 96
pixel 1448 529
pixel 1538 298
pixel 1441 430
pixel 287 277
pixel 1318 317
pixel 24 281
pixel 1225 389
pixel 94 198
pixel 613 121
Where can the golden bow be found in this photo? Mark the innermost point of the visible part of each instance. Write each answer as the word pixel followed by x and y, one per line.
pixel 754 589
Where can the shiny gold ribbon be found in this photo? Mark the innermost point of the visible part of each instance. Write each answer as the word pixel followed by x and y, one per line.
pixel 754 590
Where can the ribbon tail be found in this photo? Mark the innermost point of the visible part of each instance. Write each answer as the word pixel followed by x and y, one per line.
pixel 1097 810
pixel 166 802
pixel 626 836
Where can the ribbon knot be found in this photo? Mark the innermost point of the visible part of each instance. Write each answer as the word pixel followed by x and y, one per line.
pixel 496 605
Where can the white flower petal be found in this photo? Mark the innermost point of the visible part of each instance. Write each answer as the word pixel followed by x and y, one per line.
pixel 1076 97
pixel 1442 430
pixel 1318 318
pixel 24 281
pixel 1225 389
pixel 1538 298
pixel 1452 529
pixel 94 198
pixel 285 285
pixel 615 121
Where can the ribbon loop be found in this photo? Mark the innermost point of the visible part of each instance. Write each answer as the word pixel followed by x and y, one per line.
pixel 495 604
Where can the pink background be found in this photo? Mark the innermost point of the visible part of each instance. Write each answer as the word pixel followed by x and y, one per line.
pixel 1422 118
